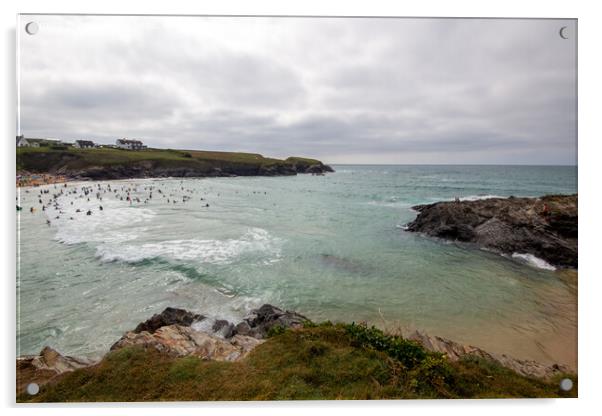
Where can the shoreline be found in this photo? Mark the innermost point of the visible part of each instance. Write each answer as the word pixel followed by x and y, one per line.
pixel 179 333
pixel 36 180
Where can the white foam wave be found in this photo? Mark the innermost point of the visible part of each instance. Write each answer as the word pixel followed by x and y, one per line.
pixel 106 225
pixel 531 260
pixel 479 197
pixel 391 203
pixel 196 250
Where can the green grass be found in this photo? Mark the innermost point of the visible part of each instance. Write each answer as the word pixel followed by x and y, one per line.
pixel 318 362
pixel 302 161
pixel 49 159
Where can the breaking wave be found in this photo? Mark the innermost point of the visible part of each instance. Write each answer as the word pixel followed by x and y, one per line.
pixel 479 197
pixel 255 240
pixel 533 261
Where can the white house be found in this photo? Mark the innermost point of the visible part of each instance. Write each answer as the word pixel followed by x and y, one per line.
pixel 84 144
pixel 22 142
pixel 130 144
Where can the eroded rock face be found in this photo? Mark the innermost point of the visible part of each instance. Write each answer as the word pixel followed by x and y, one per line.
pixel 181 341
pixel 170 316
pixel 545 227
pixel 455 351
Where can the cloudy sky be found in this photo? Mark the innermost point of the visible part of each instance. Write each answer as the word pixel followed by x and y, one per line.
pixel 342 90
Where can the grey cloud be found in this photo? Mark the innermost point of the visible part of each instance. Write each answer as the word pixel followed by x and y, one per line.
pixel 343 90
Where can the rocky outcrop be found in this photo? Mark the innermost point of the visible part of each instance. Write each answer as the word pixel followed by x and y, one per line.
pixel 455 352
pixel 149 169
pixel 174 332
pixel 181 341
pixel 44 367
pixel 545 227
pixel 304 165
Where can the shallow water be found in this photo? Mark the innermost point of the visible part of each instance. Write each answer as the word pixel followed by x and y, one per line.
pixel 331 247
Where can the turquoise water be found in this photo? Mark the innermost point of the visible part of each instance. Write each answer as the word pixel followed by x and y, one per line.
pixel 331 247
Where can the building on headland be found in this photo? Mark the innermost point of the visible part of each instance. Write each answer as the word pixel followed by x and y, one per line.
pixel 23 142
pixel 130 144
pixel 84 144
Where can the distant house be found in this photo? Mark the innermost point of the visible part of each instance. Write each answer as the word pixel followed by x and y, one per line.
pixel 23 142
pixel 84 144
pixel 130 144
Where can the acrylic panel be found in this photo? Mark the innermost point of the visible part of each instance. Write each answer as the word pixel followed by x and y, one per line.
pixel 282 208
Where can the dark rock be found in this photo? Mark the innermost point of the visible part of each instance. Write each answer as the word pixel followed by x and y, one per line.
pixel 545 227
pixel 243 328
pixel 149 169
pixel 170 316
pixel 223 328
pixel 261 320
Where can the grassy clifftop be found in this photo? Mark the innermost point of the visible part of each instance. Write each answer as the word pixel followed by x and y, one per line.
pixel 118 163
pixel 323 361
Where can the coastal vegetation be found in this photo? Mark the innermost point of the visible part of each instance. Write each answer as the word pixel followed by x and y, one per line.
pixel 317 361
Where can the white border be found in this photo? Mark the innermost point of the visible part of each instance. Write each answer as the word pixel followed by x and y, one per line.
pixel 590 33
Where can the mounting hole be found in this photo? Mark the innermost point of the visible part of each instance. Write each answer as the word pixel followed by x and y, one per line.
pixel 33 389
pixel 32 28
pixel 566 384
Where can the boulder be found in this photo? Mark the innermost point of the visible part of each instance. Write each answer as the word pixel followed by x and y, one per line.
pixel 223 328
pixel 170 316
pixel 259 321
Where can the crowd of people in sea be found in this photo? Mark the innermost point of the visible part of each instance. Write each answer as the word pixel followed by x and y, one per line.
pixel 131 194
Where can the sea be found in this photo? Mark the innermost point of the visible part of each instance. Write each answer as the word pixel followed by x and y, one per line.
pixel 330 247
